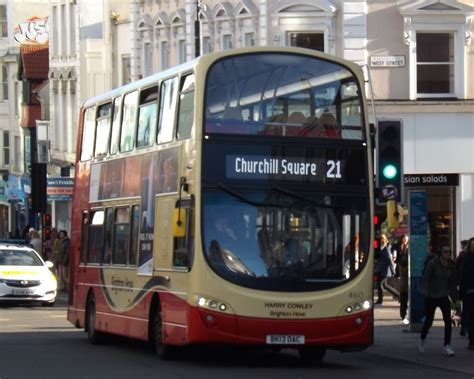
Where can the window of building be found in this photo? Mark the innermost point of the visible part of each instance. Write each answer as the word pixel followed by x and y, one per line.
pixel 206 45
pixel 182 51
pixel 438 35
pixel 435 66
pixel 226 42
pixel 4 79
pixel 17 154
pixel 314 26
pixel 63 34
pixel 3 21
pixel 168 94
pixel 164 55
pixel 147 59
pixel 249 39
pixel 6 147
pixel 72 28
pixel 126 69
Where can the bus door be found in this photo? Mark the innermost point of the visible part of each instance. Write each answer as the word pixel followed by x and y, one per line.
pixel 173 255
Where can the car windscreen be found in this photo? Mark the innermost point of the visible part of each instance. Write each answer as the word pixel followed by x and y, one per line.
pixel 19 258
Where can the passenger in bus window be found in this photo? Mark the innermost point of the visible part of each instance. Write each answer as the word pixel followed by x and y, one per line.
pixel 329 125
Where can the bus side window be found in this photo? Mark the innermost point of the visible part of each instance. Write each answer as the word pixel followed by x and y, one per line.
pixel 183 247
pixel 127 136
pixel 121 234
pixel 147 113
pixel 116 119
pixel 186 108
pixel 88 133
pixel 134 236
pixel 109 227
pixel 84 237
pixel 96 237
pixel 168 95
pixel 102 129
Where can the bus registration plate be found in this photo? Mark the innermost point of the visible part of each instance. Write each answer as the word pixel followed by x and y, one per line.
pixel 285 340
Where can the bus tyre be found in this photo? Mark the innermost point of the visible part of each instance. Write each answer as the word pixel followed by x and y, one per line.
pixel 312 353
pixel 165 352
pixel 95 337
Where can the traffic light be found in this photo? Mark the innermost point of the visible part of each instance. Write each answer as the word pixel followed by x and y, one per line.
pixel 47 226
pixel 38 187
pixel 390 160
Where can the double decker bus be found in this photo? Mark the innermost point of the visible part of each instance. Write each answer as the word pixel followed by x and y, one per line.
pixel 228 200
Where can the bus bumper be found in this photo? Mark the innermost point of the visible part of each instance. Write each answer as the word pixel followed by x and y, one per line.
pixel 207 326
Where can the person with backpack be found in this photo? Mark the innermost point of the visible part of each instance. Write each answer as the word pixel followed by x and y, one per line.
pixel 438 283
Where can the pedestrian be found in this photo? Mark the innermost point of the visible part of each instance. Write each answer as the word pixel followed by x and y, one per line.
pixel 402 268
pixel 466 291
pixel 437 285
pixel 383 267
pixel 35 241
pixel 459 264
pixel 63 260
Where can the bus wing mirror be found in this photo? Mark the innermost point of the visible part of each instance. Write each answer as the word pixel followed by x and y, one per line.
pixel 179 222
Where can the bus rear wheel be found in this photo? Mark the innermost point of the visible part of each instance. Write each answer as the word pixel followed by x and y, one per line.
pixel 95 337
pixel 165 352
pixel 312 353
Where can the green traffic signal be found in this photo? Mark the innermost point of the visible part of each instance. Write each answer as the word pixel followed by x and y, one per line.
pixel 389 171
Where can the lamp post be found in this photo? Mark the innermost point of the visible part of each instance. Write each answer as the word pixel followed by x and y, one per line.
pixel 197 31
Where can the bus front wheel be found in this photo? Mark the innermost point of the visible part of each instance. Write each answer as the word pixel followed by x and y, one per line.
pixel 312 353
pixel 95 337
pixel 165 352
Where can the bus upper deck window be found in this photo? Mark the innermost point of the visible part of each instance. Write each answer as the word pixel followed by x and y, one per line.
pixel 127 137
pixel 88 134
pixel 186 108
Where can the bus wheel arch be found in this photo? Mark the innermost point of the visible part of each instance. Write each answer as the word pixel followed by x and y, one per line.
pixel 95 337
pixel 155 331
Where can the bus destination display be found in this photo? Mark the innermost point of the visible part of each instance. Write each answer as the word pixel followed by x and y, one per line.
pixel 288 168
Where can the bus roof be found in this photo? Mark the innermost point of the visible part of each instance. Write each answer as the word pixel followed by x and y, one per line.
pixel 209 58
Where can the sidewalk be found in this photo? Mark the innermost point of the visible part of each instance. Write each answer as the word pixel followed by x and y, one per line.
pixel 392 339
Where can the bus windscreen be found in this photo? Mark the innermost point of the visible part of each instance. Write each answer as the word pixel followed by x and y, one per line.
pixel 280 95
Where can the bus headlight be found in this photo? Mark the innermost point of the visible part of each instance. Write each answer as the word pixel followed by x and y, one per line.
pixel 212 304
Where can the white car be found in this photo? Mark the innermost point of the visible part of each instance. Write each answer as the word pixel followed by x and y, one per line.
pixel 25 277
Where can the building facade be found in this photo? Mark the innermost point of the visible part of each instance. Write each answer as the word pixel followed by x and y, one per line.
pixel 21 22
